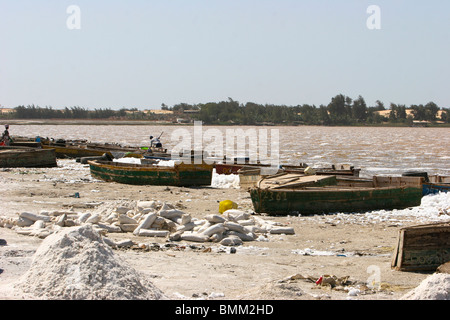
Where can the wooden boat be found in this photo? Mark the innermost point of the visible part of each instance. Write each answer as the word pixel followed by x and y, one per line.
pixel 347 170
pixel 155 149
pixel 17 157
pixel 74 151
pixel 287 193
pixel 431 184
pixel 341 170
pixel 422 248
pixel 156 153
pixel 152 174
pixel 30 144
pixel 233 168
pixel 249 176
pixel 162 154
pixel 157 156
pixel 79 149
pixel 436 184
pixel 19 141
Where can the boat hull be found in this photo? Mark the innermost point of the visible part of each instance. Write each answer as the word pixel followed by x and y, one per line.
pixel 74 152
pixel 436 184
pixel 93 150
pixel 179 175
pixel 307 202
pixel 21 157
pixel 434 188
pixel 224 168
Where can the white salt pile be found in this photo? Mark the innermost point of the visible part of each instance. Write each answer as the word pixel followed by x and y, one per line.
pixel 434 287
pixel 433 208
pixel 75 264
pixel 224 181
pixel 160 163
pixel 128 160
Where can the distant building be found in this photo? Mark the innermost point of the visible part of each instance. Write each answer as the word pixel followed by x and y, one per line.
pixel 4 110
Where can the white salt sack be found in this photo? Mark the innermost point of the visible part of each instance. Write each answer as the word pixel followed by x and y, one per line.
pixel 76 264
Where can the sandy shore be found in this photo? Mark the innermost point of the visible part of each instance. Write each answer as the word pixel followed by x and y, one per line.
pixel 341 245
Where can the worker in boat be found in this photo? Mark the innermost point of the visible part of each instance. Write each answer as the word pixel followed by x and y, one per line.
pixel 6 138
pixel 155 143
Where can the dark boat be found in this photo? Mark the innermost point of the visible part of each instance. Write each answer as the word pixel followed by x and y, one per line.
pixel 157 154
pixel 233 168
pixel 18 157
pixel 152 174
pixel 436 184
pixel 250 175
pixel 431 184
pixel 286 193
pixel 79 149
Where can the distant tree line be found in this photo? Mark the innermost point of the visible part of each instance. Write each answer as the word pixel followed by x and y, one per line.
pixel 35 112
pixel 341 110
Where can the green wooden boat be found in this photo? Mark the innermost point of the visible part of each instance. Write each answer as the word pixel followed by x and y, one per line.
pixel 286 194
pixel 81 148
pixel 74 151
pixel 152 174
pixel 24 157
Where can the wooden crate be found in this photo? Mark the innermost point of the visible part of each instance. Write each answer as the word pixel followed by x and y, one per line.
pixel 422 247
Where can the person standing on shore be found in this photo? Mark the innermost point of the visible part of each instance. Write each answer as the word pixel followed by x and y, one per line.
pixel 6 139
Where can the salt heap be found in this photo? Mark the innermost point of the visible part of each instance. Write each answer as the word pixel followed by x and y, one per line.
pixel 434 287
pixel 75 264
pixel 225 181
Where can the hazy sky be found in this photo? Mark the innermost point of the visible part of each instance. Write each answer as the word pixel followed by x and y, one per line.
pixel 142 53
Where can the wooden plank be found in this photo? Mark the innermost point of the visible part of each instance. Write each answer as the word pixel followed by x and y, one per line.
pixel 310 181
pixel 398 245
pixel 296 180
